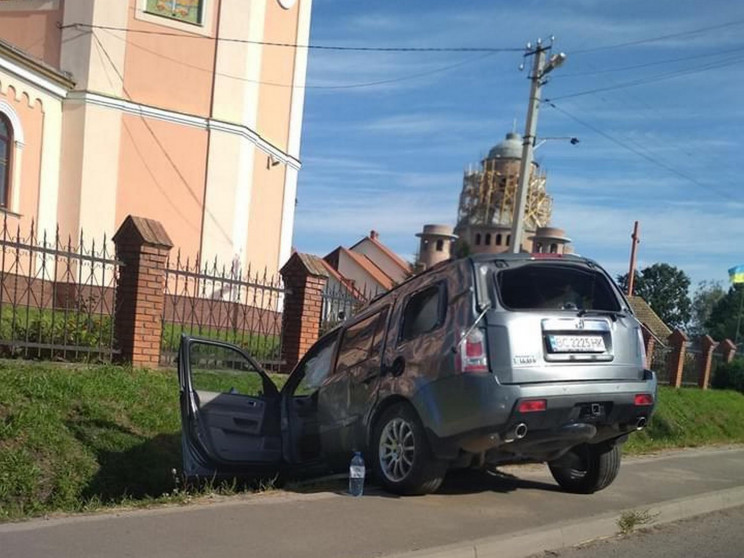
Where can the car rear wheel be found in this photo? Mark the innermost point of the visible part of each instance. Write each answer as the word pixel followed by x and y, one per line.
pixel 589 469
pixel 402 459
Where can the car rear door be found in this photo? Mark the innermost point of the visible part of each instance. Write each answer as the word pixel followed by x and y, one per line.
pixel 230 412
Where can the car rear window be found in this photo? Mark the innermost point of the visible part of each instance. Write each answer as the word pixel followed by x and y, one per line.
pixel 556 287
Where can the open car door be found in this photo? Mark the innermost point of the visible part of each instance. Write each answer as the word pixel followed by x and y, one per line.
pixel 230 412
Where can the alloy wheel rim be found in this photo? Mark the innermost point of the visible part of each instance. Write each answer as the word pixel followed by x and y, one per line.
pixel 397 449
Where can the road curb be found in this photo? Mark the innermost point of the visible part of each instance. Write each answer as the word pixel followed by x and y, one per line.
pixel 557 536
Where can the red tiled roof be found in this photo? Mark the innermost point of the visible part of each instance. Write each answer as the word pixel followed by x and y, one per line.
pixel 396 259
pixel 347 283
pixel 380 277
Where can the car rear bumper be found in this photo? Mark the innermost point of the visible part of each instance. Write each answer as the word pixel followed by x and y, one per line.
pixel 477 414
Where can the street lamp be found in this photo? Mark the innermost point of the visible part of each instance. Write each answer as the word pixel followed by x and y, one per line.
pixel 540 69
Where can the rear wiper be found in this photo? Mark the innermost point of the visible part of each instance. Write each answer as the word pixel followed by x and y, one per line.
pixel 614 314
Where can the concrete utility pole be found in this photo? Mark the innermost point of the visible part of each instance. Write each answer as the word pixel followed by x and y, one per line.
pixel 539 70
pixel 631 272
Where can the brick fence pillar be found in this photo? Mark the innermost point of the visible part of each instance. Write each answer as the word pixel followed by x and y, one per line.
pixel 142 245
pixel 648 344
pixel 728 350
pixel 303 305
pixel 676 362
pixel 705 360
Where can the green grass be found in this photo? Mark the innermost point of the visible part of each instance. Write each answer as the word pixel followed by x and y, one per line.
pixel 259 346
pixel 78 437
pixel 690 417
pixel 74 438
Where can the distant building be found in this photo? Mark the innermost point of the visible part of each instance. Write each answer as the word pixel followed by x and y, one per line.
pixel 551 240
pixel 144 107
pixel 369 265
pixel 435 245
pixel 488 200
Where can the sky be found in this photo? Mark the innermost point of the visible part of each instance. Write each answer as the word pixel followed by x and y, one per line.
pixel 386 135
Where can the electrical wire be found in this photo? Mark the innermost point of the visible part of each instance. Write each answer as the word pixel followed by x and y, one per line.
pixel 638 152
pixel 408 77
pixel 631 101
pixel 291 45
pixel 661 37
pixel 563 75
pixel 731 61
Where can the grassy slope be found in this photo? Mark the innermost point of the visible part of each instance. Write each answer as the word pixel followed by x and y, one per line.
pixel 73 438
pixel 77 437
pixel 691 417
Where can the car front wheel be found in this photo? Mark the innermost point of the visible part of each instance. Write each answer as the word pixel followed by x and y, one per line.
pixel 590 469
pixel 403 462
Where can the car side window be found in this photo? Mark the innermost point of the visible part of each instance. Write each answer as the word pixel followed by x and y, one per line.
pixel 316 366
pixel 222 369
pixel 361 340
pixel 424 312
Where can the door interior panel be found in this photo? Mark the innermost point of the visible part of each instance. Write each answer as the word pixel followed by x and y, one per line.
pixel 239 427
pixel 305 431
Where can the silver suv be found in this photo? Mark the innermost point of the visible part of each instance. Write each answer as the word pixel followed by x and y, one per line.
pixel 483 361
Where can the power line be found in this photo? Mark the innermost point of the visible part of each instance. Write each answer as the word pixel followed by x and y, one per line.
pixel 661 77
pixel 647 64
pixel 292 45
pixel 637 151
pixel 627 94
pixel 408 77
pixel 661 37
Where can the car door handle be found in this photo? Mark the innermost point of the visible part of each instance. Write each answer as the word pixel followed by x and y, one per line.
pixel 398 367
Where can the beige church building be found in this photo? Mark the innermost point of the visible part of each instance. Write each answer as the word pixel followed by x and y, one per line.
pixel 175 110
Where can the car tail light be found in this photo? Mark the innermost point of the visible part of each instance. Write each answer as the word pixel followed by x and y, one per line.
pixel 643 400
pixel 533 405
pixel 473 353
pixel 642 348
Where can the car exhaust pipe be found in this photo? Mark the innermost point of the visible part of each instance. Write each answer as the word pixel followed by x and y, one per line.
pixel 641 423
pixel 516 432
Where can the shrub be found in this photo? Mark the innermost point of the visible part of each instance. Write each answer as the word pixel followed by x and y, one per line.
pixel 730 376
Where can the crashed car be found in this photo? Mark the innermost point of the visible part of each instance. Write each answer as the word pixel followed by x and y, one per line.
pixel 478 362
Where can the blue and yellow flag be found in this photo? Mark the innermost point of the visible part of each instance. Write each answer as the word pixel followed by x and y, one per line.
pixel 736 274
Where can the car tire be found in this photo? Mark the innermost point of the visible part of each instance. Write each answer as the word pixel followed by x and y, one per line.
pixel 594 469
pixel 402 460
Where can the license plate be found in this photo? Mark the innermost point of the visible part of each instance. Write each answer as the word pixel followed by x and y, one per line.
pixel 576 344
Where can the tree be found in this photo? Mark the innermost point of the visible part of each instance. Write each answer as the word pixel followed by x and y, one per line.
pixel 724 316
pixel 707 295
pixel 665 288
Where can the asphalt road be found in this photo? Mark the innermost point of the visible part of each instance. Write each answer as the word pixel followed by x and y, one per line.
pixel 328 524
pixel 715 535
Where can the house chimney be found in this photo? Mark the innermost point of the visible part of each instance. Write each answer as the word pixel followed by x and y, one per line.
pixel 373 234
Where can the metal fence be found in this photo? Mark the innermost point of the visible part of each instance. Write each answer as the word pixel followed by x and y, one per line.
pixel 340 302
pixel 57 297
pixel 659 362
pixel 226 304
pixel 691 367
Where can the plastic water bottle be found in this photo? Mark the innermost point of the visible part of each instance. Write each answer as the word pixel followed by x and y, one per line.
pixel 356 475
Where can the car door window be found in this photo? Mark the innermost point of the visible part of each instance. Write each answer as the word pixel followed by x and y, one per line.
pixel 222 369
pixel 424 312
pixel 357 342
pixel 316 366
